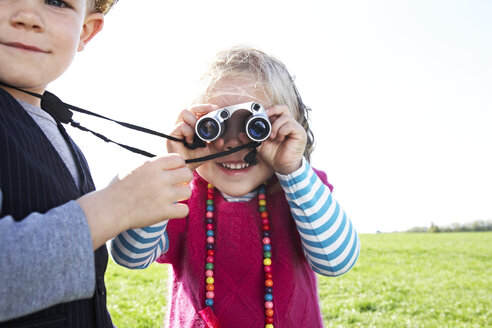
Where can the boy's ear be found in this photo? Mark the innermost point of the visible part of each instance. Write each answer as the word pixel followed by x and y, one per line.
pixel 93 24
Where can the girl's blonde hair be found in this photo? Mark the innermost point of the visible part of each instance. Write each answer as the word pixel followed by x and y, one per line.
pixel 271 77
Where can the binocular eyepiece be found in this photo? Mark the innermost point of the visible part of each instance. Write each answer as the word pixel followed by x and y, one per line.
pixel 212 126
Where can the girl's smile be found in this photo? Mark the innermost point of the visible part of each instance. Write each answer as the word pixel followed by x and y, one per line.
pixel 234 167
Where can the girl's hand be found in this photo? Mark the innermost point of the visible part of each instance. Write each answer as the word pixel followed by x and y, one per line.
pixel 185 129
pixel 284 149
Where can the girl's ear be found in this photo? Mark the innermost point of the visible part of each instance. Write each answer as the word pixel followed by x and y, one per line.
pixel 93 24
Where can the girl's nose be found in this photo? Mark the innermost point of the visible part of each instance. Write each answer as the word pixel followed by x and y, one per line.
pixel 234 134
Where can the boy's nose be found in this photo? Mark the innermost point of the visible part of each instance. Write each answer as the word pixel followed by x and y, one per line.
pixel 26 16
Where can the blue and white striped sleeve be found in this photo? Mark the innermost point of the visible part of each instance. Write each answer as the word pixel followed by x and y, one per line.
pixel 138 248
pixel 330 242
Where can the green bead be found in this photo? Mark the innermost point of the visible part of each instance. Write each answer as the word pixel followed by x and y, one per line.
pixel 210 202
pixel 209 266
pixel 262 208
pixel 267 255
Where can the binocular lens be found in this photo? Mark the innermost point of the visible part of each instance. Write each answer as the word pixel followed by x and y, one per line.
pixel 258 129
pixel 208 129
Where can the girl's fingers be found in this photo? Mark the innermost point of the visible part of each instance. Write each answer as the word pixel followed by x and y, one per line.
pixel 278 110
pixel 202 109
pixel 184 130
pixel 291 130
pixel 183 115
pixel 279 122
pixel 191 115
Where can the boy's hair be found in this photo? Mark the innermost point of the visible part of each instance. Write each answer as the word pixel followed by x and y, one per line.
pixel 271 77
pixel 100 6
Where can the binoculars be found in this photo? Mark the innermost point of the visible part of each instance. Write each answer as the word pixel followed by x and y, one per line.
pixel 212 125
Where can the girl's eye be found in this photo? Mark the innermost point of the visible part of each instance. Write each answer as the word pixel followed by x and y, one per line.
pixel 56 3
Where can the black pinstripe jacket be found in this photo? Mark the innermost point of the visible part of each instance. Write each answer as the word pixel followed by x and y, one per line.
pixel 33 178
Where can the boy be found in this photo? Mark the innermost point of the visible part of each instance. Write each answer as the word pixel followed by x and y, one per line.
pixel 53 225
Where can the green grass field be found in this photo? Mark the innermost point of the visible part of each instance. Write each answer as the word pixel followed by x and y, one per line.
pixel 400 280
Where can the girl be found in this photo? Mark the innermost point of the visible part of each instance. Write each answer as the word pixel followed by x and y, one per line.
pixel 246 254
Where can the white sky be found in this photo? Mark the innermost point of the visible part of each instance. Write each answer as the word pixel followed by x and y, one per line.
pixel 400 91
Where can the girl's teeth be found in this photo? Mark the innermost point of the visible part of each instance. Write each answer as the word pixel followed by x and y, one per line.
pixel 235 166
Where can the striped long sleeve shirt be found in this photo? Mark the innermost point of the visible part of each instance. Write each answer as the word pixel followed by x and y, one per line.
pixel 330 242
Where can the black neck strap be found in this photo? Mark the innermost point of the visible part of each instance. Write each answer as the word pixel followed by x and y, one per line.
pixel 62 112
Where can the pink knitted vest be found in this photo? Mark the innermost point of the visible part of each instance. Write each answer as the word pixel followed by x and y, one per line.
pixel 238 267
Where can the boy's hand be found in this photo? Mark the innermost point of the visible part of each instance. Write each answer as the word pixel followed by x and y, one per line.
pixel 284 149
pixel 185 129
pixel 145 196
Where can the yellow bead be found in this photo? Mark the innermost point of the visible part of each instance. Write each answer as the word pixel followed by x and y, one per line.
pixel 268 325
pixel 262 202
pixel 209 186
pixel 267 262
pixel 210 280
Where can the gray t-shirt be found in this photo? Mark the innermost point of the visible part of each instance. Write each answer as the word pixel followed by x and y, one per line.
pixel 48 125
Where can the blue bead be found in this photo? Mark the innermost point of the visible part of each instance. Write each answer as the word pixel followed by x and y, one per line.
pixel 209 302
pixel 267 248
pixel 268 297
pixel 210 233
pixel 210 208
pixel 261 189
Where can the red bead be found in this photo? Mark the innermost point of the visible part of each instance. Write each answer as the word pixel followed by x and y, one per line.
pixel 210 259
pixel 261 196
pixel 264 215
pixel 269 312
pixel 268 268
pixel 269 275
pixel 210 252
pixel 210 227
pixel 269 320
pixel 265 221
pixel 210 196
pixel 266 227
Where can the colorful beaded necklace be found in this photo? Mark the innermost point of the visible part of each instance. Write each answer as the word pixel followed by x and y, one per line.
pixel 207 313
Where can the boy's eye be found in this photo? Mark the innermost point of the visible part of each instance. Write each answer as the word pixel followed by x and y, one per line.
pixel 56 3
